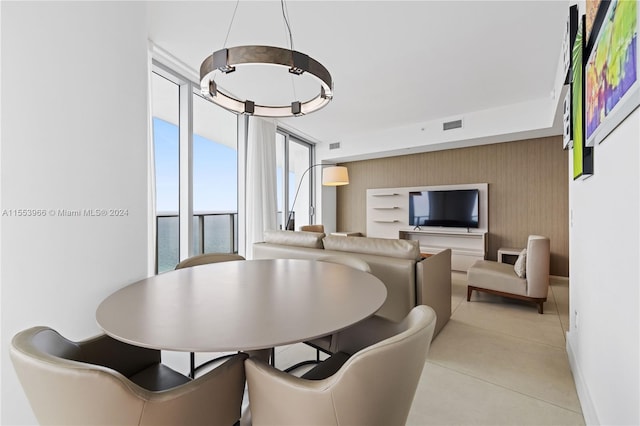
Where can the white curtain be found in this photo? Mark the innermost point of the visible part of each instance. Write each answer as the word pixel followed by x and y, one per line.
pixel 261 205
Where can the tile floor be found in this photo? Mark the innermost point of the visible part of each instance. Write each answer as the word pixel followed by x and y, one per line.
pixel 497 362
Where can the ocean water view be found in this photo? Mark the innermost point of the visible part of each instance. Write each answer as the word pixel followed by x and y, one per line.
pixel 213 232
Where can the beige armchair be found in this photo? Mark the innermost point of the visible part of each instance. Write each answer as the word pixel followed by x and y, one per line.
pixel 102 381
pixel 374 386
pixel 528 280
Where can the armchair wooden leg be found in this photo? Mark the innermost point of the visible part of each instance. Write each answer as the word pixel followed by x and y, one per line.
pixel 539 301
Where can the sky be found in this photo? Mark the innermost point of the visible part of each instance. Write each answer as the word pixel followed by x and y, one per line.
pixel 215 171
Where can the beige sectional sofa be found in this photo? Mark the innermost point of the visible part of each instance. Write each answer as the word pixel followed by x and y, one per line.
pixel 410 280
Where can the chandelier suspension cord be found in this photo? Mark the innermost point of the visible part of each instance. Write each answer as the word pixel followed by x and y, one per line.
pixel 285 15
pixel 235 9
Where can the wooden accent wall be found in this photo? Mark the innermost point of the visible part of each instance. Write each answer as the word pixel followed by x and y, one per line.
pixel 528 189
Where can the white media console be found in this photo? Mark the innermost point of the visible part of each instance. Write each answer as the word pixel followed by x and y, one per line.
pixel 388 217
pixel 466 247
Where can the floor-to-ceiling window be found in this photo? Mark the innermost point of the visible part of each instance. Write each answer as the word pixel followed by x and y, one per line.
pixel 294 156
pixel 196 170
pixel 215 178
pixel 166 95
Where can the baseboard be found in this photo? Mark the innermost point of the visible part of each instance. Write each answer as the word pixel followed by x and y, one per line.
pixel 588 409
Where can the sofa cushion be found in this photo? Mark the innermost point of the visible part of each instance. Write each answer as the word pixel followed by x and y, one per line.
pixel 293 238
pixel 520 267
pixel 403 249
pixel 496 276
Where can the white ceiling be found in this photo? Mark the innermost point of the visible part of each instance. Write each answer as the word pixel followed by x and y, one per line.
pixel 393 62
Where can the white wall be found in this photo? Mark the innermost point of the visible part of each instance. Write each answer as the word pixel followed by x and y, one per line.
pixel 527 120
pixel 74 136
pixel 605 280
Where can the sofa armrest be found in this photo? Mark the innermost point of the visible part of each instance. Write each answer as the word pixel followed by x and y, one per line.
pixel 433 286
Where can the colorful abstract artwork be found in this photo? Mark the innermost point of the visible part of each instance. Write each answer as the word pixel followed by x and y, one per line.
pixel 592 12
pixel 582 155
pixel 611 72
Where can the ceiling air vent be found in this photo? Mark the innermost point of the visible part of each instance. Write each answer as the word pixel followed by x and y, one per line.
pixel 335 145
pixel 449 125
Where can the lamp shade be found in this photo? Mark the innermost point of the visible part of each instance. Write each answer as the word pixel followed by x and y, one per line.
pixel 335 176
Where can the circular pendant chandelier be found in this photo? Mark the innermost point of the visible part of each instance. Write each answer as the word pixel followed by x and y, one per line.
pixel 225 61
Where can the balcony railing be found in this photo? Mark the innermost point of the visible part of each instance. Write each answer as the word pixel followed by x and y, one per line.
pixel 213 232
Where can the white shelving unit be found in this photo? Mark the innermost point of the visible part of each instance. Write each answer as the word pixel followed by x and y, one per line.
pixel 388 217
pixel 387 211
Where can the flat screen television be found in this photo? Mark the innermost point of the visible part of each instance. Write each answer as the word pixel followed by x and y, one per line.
pixel 449 208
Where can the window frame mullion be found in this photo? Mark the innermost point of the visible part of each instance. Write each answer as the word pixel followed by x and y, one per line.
pixel 186 170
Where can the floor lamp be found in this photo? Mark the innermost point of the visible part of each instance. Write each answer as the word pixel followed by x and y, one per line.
pixel 332 175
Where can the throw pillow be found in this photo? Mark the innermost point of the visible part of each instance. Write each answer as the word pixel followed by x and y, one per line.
pixel 520 267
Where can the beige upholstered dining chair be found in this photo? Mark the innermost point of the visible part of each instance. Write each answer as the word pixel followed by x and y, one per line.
pixel 312 228
pixel 374 386
pixel 527 280
pixel 204 259
pixel 102 381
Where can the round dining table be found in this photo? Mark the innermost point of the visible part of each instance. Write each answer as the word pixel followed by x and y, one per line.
pixel 240 305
